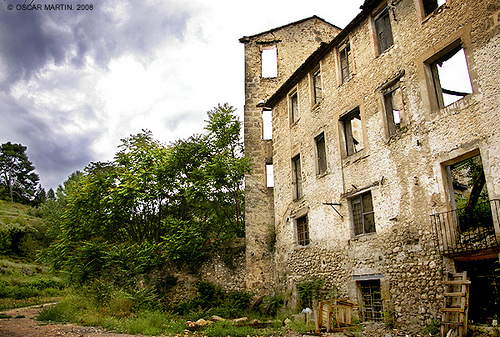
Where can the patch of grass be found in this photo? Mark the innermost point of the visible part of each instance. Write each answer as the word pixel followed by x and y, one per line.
pixel 23 284
pixel 151 323
pixel 5 316
pixel 223 329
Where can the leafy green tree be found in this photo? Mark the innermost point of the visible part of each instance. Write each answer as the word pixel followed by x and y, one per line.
pixel 17 172
pixel 185 198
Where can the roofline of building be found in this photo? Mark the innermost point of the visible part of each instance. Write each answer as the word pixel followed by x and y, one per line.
pixel 245 39
pixel 318 54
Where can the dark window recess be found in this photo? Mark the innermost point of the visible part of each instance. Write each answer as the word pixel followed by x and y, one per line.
pixel 345 60
pixel 450 75
pixel 393 105
pixel 353 132
pixel 362 214
pixel 302 231
pixel 318 90
pixel 297 178
pixel 372 300
pixel 384 31
pixel 321 153
pixel 431 5
pixel 294 106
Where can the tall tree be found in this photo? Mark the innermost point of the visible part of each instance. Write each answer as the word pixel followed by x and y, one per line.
pixel 186 197
pixel 17 172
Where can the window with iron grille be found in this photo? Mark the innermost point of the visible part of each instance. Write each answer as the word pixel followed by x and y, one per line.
pixel 363 217
pixel 372 309
pixel 302 231
pixel 384 31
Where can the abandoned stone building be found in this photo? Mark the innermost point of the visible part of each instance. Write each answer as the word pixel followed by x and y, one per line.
pixel 376 152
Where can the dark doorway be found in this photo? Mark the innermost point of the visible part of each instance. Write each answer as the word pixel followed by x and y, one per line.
pixel 484 295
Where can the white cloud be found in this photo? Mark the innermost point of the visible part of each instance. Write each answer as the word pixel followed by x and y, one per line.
pixel 83 81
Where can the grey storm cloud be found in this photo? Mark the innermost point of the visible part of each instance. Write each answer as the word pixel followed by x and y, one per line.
pixel 53 152
pixel 33 39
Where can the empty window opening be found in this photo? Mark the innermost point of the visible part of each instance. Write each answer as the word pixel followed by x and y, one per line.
pixel 353 132
pixel 450 76
pixel 345 62
pixel 302 231
pixel 371 300
pixel 267 124
pixel 431 5
pixel 294 107
pixel 297 178
pixel 321 153
pixel 270 62
pixel 470 195
pixel 384 31
pixel 269 175
pixel 393 106
pixel 363 217
pixel 317 88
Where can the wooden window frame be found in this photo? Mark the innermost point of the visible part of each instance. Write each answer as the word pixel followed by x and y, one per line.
pixel 392 126
pixel 293 103
pixel 345 55
pixel 432 65
pixel 302 228
pixel 383 30
pixel 317 86
pixel 363 214
pixel 347 132
pixel 321 161
pixel 297 178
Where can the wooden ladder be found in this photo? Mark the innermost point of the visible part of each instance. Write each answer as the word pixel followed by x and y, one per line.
pixel 456 302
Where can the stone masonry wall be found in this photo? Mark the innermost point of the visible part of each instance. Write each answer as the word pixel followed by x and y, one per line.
pixel 405 173
pixel 294 42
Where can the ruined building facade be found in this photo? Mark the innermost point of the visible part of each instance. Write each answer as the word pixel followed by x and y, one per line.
pixel 385 150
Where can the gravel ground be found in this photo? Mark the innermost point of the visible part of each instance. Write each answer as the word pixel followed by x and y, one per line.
pixel 23 324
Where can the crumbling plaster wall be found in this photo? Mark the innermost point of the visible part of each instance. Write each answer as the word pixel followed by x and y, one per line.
pixel 404 172
pixel 294 44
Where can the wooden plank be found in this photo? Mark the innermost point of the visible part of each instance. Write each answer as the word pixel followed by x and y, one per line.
pixel 459 282
pixel 452 323
pixel 452 309
pixel 458 294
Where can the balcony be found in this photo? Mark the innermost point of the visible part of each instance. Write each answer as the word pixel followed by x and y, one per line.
pixel 469 234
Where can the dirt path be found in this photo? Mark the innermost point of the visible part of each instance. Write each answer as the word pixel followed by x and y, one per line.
pixel 23 324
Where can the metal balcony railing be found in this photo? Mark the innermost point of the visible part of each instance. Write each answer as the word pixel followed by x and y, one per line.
pixel 468 231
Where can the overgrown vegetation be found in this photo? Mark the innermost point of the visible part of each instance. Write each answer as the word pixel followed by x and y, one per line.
pixel 122 312
pixel 24 284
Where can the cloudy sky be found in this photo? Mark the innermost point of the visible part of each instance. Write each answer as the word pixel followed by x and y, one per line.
pixel 75 82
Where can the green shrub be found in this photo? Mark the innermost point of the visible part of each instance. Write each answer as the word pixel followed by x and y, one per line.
pixel 309 290
pixel 271 304
pixel 433 328
pixel 53 313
